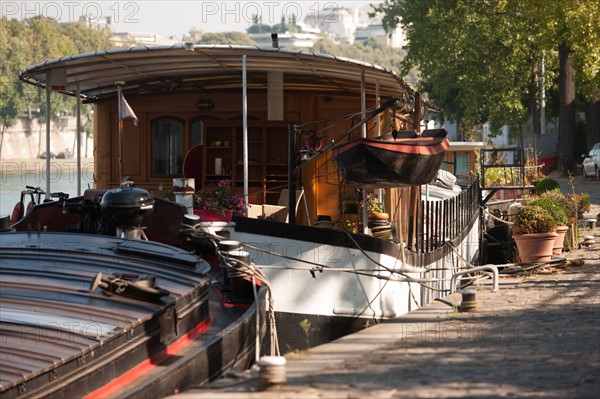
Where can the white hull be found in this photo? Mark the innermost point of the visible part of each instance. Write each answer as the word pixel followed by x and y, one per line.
pixel 350 282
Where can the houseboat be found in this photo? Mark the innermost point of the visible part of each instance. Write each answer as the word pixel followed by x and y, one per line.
pixel 269 121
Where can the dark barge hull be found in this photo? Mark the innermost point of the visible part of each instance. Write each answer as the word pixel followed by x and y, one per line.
pixel 62 340
pixel 408 160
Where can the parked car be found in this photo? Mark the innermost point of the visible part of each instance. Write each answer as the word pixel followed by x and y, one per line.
pixel 591 163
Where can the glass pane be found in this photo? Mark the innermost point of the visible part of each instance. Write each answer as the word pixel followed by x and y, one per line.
pixel 197 128
pixel 168 158
pixel 462 165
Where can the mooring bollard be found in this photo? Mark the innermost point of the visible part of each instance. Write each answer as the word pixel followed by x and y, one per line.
pixel 469 303
pixel 272 371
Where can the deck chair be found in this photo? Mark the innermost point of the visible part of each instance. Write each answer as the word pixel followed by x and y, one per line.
pixel 285 197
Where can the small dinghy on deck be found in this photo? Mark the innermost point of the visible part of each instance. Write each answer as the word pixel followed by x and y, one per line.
pixel 393 160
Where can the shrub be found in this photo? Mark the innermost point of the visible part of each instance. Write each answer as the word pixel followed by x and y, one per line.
pixel 554 208
pixel 568 204
pixel 533 219
pixel 545 184
pixel 584 203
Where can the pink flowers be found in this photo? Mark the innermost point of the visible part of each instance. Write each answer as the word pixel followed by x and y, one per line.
pixel 219 198
pixel 373 203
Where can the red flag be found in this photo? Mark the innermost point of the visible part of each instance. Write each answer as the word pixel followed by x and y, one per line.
pixel 126 113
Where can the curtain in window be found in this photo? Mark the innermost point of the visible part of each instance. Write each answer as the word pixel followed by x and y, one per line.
pixel 168 148
pixel 197 129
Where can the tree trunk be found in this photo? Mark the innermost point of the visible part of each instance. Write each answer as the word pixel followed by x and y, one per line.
pixel 535 111
pixel 2 139
pixel 566 115
pixel 592 122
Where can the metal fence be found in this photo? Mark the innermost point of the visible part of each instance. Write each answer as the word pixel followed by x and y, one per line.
pixel 440 221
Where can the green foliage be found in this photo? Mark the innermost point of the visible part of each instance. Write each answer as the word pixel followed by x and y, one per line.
pixel 375 51
pixel 568 204
pixel 23 43
pixel 502 176
pixel 85 39
pixel 583 203
pixel 480 60
pixel 545 184
pixel 257 26
pixel 15 53
pixel 289 25
pixel 239 38
pixel 533 219
pixel 554 208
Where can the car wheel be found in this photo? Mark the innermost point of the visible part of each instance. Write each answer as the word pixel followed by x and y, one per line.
pixel 597 173
pixel 585 176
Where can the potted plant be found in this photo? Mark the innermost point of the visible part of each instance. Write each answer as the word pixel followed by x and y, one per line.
pixel 375 207
pixel 569 205
pixel 217 202
pixel 534 233
pixel 558 214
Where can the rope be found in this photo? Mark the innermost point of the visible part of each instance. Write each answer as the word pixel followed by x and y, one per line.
pixel 497 218
pixel 253 272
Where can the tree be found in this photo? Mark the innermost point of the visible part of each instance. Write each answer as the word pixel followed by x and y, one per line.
pixel 14 46
pixel 290 25
pixel 226 38
pixel 480 59
pixel 257 26
pixel 23 43
pixel 376 51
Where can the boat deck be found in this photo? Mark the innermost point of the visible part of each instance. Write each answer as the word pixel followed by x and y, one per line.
pixel 52 324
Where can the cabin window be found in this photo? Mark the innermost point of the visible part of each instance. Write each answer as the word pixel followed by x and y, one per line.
pixel 461 165
pixel 168 147
pixel 197 128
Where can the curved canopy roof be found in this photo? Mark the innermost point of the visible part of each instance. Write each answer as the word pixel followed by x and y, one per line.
pixel 153 69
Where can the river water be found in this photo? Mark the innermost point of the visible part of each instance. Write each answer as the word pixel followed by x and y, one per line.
pixel 16 174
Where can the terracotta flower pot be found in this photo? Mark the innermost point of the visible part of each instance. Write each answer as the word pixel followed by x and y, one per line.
pixel 559 243
pixel 535 247
pixel 378 216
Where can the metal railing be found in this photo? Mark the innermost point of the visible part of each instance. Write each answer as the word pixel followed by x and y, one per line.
pixel 441 221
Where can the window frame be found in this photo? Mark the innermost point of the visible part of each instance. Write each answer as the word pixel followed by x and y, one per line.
pixel 183 144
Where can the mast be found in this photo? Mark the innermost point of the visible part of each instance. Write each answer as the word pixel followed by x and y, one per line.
pixel 245 132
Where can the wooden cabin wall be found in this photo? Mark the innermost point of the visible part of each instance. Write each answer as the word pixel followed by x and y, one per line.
pixel 319 178
pixel 137 141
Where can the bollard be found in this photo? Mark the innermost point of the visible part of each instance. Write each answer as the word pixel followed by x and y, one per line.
pixel 469 302
pixel 272 371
